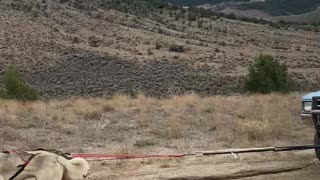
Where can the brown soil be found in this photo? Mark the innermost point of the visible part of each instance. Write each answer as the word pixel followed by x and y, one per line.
pixel 298 165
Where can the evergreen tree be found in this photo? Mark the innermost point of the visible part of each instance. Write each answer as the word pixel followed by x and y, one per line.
pixel 267 75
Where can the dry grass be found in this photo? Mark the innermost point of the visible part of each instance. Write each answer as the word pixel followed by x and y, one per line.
pixel 176 124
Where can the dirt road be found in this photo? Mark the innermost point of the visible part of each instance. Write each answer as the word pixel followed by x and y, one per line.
pixel 310 173
pixel 260 166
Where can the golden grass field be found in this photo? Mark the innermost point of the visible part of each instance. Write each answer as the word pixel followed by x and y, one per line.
pixel 178 124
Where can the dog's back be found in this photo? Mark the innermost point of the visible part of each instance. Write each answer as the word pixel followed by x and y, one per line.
pixel 43 167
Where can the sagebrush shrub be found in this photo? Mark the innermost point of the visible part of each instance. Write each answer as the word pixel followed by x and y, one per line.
pixel 176 48
pixel 93 41
pixel 192 16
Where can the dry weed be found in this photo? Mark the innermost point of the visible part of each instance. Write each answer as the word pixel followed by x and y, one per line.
pixel 181 123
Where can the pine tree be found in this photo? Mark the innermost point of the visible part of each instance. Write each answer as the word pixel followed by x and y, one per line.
pixel 267 75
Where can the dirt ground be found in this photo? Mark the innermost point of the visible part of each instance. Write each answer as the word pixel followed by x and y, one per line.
pixel 260 166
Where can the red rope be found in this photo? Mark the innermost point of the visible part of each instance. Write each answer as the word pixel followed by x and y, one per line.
pixel 18 154
pixel 112 156
pixel 108 156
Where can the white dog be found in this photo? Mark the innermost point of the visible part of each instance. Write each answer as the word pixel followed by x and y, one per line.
pixel 8 165
pixel 45 165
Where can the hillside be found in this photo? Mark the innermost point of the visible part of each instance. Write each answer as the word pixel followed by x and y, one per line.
pixel 273 7
pixel 245 7
pixel 201 2
pixel 254 13
pixel 94 49
pixel 307 18
pixel 285 7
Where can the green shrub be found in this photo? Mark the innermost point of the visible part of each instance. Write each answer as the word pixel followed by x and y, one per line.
pixel 93 41
pixel 192 16
pixel 15 87
pixel 267 75
pixel 231 16
pixel 200 23
pixel 176 48
pixel 158 45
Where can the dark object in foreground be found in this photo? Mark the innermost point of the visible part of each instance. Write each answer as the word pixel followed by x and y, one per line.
pixel 315 114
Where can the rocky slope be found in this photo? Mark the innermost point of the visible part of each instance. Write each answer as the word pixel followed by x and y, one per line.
pixel 63 50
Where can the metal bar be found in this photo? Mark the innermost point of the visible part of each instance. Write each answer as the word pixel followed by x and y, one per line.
pixel 315 111
pixel 253 150
pixel 296 148
pixel 236 151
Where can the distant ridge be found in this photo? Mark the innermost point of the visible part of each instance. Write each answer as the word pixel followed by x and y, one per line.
pixel 307 18
pixel 201 2
pixel 272 7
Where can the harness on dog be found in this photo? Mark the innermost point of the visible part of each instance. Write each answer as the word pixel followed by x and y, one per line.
pixel 57 152
pixel 18 154
pixel 23 166
pixel 32 155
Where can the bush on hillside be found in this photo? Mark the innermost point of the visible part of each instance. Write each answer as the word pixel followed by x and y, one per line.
pixel 15 87
pixel 192 16
pixel 158 45
pixel 267 75
pixel 231 16
pixel 176 48
pixel 93 41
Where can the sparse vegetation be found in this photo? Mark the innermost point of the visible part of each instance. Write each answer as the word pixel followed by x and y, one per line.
pixel 267 75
